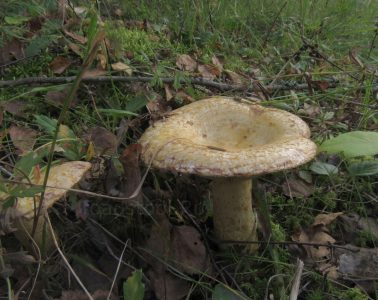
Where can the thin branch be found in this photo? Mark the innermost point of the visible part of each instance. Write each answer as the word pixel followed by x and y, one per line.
pixel 284 243
pixel 195 81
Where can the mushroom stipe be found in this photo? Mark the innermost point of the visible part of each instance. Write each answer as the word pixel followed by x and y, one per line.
pixel 229 142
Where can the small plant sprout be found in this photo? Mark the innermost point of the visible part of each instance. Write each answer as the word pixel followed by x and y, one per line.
pixel 229 142
pixel 61 178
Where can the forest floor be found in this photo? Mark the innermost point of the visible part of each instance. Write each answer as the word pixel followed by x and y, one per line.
pixel 81 82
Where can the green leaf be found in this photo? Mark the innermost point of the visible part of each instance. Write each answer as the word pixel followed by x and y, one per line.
pixel 46 123
pixel 352 144
pixel 25 191
pixel 133 288
pixel 323 168
pixel 223 293
pixel 37 44
pixel 16 20
pixel 116 112
pixel 364 168
pixel 28 161
pixel 9 202
pixel 136 104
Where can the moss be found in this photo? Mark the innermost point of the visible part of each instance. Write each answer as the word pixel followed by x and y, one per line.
pixel 141 45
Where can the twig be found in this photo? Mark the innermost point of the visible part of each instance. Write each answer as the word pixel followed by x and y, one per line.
pixel 297 280
pixel 284 243
pixel 195 81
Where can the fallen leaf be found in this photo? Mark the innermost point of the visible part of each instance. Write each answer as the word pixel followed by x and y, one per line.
pixel 120 66
pixel 326 219
pixel 355 225
pixel 103 140
pixel 234 77
pixel 311 110
pixel 23 138
pixel 94 73
pixel 361 263
pixel 297 188
pixel 102 61
pixel 208 72
pixel 317 234
pixel 13 50
pixel 15 107
pixel 168 92
pixel 60 64
pixel 184 97
pixel 185 63
pixel 321 85
pixel 168 287
pixel 217 63
pixel 188 250
pixel 132 176
pixel 79 38
pixel 57 97
pixel 64 176
pixel 80 295
pixel 75 49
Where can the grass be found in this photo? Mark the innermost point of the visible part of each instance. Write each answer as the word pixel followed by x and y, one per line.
pixel 262 37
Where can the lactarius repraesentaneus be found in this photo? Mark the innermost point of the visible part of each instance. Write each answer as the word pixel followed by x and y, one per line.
pixel 228 141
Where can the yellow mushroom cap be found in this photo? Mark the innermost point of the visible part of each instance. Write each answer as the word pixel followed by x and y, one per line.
pixel 221 137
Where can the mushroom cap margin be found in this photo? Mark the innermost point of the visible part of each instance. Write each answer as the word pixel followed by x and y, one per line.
pixel 176 144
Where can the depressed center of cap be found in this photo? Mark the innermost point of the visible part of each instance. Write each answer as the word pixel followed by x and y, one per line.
pixel 220 137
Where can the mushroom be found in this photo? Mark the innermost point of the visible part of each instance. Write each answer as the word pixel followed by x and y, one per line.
pixel 63 177
pixel 228 141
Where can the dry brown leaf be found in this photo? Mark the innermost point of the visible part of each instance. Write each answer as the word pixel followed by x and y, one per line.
pixel 132 176
pixel 120 66
pixel 185 63
pixel 216 62
pixel 183 96
pixel 326 219
pixel 311 110
pixel 94 73
pixel 208 72
pixel 188 250
pixel 23 138
pixel 79 38
pixel 168 287
pixel 63 176
pixel 235 78
pixel 15 107
pixel 75 49
pixel 103 140
pixel 57 97
pixel 297 188
pixel 80 295
pixel 60 64
pixel 321 84
pixel 315 236
pixel 168 92
pixel 13 50
pixel 102 61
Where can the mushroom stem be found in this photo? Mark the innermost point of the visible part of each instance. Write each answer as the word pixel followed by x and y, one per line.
pixel 234 219
pixel 42 235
